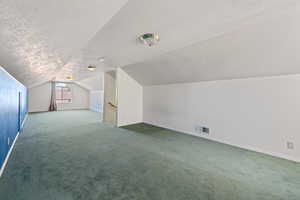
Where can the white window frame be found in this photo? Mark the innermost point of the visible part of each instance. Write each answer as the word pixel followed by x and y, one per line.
pixel 63 85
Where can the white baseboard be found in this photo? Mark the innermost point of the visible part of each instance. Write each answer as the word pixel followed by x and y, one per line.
pixel 11 148
pixel 275 154
pixel 7 156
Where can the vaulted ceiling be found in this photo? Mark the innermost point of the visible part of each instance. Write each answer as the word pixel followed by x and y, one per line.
pixel 200 39
pixel 39 38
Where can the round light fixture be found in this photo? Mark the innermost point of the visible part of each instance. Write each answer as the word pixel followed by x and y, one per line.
pixel 149 39
pixel 70 78
pixel 91 67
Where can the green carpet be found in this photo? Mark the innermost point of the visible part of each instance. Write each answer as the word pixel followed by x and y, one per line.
pixel 70 155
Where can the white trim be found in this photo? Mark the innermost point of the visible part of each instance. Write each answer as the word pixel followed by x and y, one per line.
pixel 11 148
pixel 25 118
pixel 7 156
pixel 249 148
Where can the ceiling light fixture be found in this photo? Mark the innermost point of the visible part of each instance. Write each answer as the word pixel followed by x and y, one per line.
pixel 149 39
pixel 70 78
pixel 91 67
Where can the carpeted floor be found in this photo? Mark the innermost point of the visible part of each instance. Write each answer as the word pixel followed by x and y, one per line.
pixel 70 155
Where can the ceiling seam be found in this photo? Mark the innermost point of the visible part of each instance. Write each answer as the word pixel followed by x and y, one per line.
pixel 251 19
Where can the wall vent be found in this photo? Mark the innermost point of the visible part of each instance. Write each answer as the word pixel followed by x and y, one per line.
pixel 205 130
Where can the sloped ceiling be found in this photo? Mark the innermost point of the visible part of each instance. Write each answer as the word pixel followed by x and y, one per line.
pixel 200 39
pixel 38 37
pixel 267 45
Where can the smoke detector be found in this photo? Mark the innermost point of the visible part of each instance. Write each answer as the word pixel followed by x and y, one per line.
pixel 101 59
pixel 149 39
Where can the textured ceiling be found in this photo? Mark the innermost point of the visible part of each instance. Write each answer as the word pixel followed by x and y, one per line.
pixel 200 39
pixel 267 45
pixel 178 23
pixel 38 38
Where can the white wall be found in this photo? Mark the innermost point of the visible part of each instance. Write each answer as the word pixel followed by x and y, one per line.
pixel 80 99
pixel 39 98
pixel 94 83
pixel 260 114
pixel 96 100
pixel 130 99
pixel 110 97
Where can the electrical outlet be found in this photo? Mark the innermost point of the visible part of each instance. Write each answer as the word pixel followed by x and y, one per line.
pixel 290 145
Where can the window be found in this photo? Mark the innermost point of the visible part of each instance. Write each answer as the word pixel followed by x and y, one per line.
pixel 63 93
